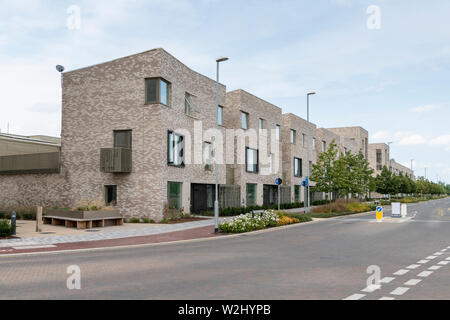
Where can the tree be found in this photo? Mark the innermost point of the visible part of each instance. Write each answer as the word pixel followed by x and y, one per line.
pixel 386 182
pixel 324 173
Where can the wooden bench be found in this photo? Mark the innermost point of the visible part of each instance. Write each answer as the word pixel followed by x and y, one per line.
pixel 83 223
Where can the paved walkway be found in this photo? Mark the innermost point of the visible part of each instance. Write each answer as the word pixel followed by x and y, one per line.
pixel 108 235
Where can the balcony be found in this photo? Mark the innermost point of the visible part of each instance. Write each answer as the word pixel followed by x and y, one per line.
pixel 115 160
pixel 30 163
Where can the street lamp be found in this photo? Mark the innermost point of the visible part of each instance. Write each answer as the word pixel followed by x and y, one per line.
pixel 307 202
pixel 216 202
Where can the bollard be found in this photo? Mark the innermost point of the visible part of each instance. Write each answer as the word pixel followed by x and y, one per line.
pixel 253 214
pixel 13 223
pixel 38 219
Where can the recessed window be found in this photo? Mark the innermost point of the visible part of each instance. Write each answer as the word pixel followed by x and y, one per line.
pixel 220 115
pixel 175 149
pixel 157 91
pixel 187 104
pixel 261 124
pixel 297 193
pixel 303 140
pixel 277 132
pixel 297 167
pixel 251 160
pixel 207 156
pixel 324 146
pixel 244 120
pixel 251 194
pixel 314 144
pixel 122 139
pixel 174 195
pixel 111 195
pixel 293 136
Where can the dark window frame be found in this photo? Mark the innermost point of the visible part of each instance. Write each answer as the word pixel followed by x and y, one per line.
pixel 158 91
pixel 130 138
pixel 255 166
pixel 114 189
pixel 247 120
pixel 169 163
pixel 217 115
pixel 300 167
pixel 255 194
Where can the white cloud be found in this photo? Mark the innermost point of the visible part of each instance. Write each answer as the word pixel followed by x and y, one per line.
pixel 426 108
pixel 409 138
pixel 441 140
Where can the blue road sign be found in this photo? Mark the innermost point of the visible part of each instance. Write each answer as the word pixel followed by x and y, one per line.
pixel 379 209
pixel 279 181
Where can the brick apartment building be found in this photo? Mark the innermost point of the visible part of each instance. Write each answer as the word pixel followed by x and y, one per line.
pixel 138 134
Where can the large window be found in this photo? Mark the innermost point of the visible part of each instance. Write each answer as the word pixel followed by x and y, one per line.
pixel 122 139
pixel 157 90
pixel 297 194
pixel 220 116
pixel 111 195
pixel 244 120
pixel 251 194
pixel 175 149
pixel 174 192
pixel 293 136
pixel 297 167
pixel 251 160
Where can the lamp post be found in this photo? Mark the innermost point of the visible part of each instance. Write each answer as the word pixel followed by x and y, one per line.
pixel 216 202
pixel 307 202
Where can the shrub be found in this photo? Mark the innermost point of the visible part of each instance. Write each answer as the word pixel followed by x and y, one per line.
pixel 357 207
pixel 250 222
pixel 5 228
pixel 301 217
pixel 338 206
pixel 285 220
pixel 134 220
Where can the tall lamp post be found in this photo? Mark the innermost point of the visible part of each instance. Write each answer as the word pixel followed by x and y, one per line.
pixel 216 202
pixel 307 202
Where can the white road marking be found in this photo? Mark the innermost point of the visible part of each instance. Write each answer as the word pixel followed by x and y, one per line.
pixel 431 257
pixel 400 291
pixel 401 272
pixel 387 298
pixel 425 274
pixel 438 254
pixel 356 296
pixel 423 261
pixel 413 266
pixel 448 259
pixel 443 250
pixel 371 288
pixel 434 268
pixel 413 282
pixel 444 263
pixel 387 279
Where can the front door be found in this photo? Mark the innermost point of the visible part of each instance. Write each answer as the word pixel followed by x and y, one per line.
pixel 202 198
pixel 270 195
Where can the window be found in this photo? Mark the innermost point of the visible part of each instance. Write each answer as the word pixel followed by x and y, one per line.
pixel 251 160
pixel 314 144
pixel 310 166
pixel 174 195
pixel 157 90
pixel 244 120
pixel 297 167
pixel 220 116
pixel 261 124
pixel 111 195
pixel 251 194
pixel 122 139
pixel 175 149
pixel 187 104
pixel 207 156
pixel 303 140
pixel 297 194
pixel 379 156
pixel 293 136
pixel 324 146
pixel 277 132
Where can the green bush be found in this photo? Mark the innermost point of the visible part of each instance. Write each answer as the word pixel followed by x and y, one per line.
pixel 5 228
pixel 134 220
pixel 300 216
pixel 250 222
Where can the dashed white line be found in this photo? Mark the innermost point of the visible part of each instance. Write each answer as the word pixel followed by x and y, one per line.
pixel 423 261
pixel 371 288
pixel 448 259
pixel 387 298
pixel 438 254
pixel 356 296
pixel 434 268
pixel 400 291
pixel 444 263
pixel 425 274
pixel 412 282
pixel 387 279
pixel 413 266
pixel 401 272
pixel 431 257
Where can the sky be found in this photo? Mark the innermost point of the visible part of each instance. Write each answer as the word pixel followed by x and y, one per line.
pixel 382 65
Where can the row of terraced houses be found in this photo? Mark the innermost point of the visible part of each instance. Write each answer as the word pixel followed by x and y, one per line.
pixel 132 130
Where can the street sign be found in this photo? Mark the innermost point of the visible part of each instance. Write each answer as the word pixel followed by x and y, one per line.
pixel 396 210
pixel 305 183
pixel 279 181
pixel 379 213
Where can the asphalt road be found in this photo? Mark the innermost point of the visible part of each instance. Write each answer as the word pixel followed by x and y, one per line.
pixel 321 260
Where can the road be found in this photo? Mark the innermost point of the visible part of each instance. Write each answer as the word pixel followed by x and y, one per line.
pixel 320 260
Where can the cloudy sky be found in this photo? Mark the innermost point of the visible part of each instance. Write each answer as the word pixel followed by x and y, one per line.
pixel 393 80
